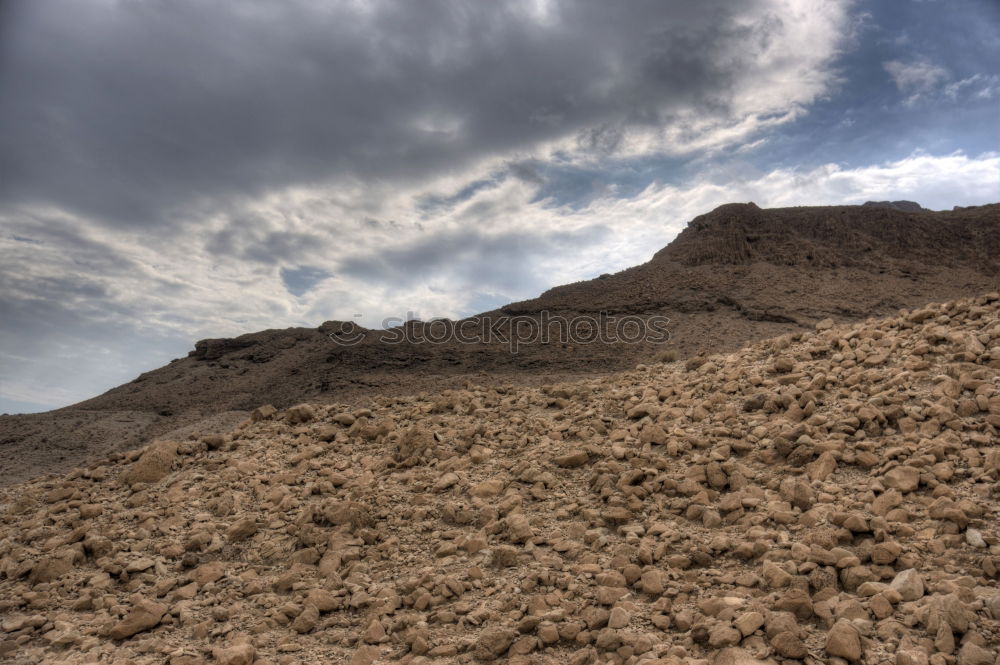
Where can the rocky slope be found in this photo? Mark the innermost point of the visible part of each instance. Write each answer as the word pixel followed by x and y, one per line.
pixel 830 496
pixel 736 274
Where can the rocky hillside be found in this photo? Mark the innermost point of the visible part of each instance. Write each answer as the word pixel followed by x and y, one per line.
pixel 734 275
pixel 830 496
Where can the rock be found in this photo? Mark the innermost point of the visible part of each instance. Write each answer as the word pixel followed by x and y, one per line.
pixel 374 633
pixel 974 538
pixel 748 622
pixel 487 488
pixel 973 654
pixel 153 465
pixel 572 460
pixel 909 584
pixel 844 641
pixel 306 620
pixel 736 656
pixel 445 481
pixel 902 478
pixel 144 615
pixel 789 645
pixel 50 569
pixel 365 655
pixel 493 643
pixel 240 654
pixel 618 618
pixel 796 601
pixel 140 565
pixel 775 576
pixel 723 635
pixel 207 573
pixel 241 530
pixel 519 528
pixel 783 365
pixel 885 553
pixel 653 582
pixel 301 413
pixel 265 412
pixel 345 419
pixel 821 469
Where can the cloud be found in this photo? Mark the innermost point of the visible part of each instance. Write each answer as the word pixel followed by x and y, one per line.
pixel 916 78
pixel 922 80
pixel 150 114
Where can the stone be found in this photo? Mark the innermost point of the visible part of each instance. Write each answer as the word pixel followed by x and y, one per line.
pixel 618 618
pixel 144 615
pixel 155 464
pixel 974 537
pixel 844 641
pixel 909 584
pixel 734 656
pixel 789 645
pixel 902 478
pixel 973 654
pixel 493 643
pixel 240 654
pixel 306 620
pixel 241 530
pixel 748 622
pixel 487 488
pixel 301 413
pixel 519 528
pixel 723 635
pixel 207 573
pixel 265 412
pixel 572 460
pixel 374 633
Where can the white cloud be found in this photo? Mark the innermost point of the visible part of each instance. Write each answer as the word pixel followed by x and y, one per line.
pixel 977 86
pixel 916 78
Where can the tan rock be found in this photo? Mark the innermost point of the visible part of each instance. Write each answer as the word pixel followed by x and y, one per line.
pixel 153 465
pixel 144 615
pixel 973 654
pixel 844 641
pixel 736 656
pixel 241 530
pixel 493 643
pixel 240 654
pixel 306 620
pixel 909 584
pixel 748 622
pixel 789 645
pixel 902 478
pixel 572 460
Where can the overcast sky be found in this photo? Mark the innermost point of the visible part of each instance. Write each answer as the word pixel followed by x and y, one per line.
pixel 178 169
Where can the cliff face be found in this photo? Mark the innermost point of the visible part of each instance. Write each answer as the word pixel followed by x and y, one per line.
pixel 872 237
pixel 736 274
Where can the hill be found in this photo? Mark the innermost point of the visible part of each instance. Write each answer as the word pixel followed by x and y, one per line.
pixel 736 274
pixel 824 496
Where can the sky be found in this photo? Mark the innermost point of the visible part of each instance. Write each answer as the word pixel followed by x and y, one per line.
pixel 172 170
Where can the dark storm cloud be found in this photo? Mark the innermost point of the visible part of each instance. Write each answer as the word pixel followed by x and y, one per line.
pixel 134 112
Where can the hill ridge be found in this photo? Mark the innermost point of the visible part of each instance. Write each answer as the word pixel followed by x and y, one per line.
pixel 716 293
